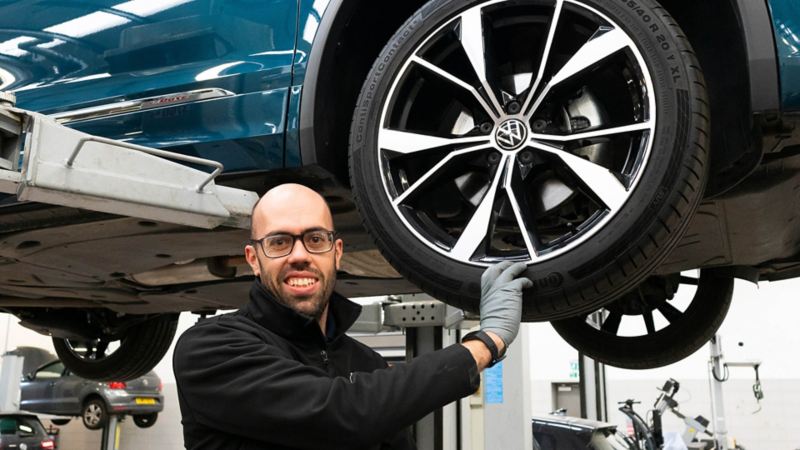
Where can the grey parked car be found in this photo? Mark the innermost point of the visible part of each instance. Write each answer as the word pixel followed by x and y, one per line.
pixel 53 389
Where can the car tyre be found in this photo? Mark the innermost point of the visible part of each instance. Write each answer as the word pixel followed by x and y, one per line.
pixel 685 333
pixel 443 205
pixel 60 422
pixel 94 413
pixel 145 420
pixel 143 346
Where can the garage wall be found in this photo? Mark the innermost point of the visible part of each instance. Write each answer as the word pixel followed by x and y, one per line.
pixel 762 318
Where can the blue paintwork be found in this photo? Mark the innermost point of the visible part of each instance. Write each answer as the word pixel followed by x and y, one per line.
pixel 309 18
pixel 63 55
pixel 786 21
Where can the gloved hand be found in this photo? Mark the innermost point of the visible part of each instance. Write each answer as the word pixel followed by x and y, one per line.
pixel 501 299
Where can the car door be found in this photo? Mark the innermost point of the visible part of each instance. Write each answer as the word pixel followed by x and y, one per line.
pixel 67 392
pixel 36 391
pixel 204 77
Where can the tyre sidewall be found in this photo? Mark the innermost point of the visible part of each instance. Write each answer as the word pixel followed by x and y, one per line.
pixel 562 279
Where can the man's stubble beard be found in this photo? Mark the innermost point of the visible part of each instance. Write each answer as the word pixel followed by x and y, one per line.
pixel 319 300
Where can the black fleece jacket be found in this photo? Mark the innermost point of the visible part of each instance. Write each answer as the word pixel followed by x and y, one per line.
pixel 266 377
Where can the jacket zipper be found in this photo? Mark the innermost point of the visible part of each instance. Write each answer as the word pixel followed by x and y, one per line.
pixel 324 355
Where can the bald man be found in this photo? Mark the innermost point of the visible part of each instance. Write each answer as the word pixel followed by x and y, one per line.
pixel 281 373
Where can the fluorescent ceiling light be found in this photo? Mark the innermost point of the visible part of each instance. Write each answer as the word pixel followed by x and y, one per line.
pixel 11 46
pixel 88 24
pixel 6 78
pixel 51 44
pixel 143 8
pixel 214 72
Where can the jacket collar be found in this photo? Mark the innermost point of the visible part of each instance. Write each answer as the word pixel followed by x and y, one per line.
pixel 280 319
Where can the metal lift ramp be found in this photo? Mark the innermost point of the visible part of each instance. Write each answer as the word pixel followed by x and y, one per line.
pixel 66 167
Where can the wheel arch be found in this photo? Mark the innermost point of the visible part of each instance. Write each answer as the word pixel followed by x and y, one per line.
pixel 735 45
pixel 349 38
pixel 91 395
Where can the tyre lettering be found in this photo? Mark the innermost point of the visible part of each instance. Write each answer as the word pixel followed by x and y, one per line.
pixel 675 71
pixel 552 280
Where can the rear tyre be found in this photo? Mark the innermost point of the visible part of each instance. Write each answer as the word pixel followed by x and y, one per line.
pixel 480 136
pixel 145 420
pixel 130 357
pixel 598 334
pixel 94 413
pixel 60 422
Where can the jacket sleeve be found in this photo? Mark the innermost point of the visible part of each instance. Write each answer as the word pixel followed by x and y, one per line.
pixel 234 382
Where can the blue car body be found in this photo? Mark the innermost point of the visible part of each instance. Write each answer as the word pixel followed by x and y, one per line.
pixel 786 20
pixel 59 57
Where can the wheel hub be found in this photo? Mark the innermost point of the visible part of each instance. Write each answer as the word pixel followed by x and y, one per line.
pixel 511 134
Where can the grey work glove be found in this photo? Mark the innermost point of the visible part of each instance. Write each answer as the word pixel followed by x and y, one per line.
pixel 501 299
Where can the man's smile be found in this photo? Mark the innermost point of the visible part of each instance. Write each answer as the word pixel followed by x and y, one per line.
pixel 300 282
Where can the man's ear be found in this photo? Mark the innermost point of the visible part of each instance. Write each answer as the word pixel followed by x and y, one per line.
pixel 338 248
pixel 252 259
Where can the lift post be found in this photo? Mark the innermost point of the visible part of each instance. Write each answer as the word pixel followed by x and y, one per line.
pixel 716 377
pixel 111 433
pixel 431 325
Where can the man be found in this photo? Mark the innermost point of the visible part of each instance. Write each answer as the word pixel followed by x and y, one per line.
pixel 281 374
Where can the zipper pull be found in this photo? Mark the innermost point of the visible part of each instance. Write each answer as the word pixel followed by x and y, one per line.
pixel 324 356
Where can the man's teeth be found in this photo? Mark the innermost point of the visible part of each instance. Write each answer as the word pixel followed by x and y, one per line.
pixel 301 282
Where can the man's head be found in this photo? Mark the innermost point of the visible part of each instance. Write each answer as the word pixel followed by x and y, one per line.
pixel 300 280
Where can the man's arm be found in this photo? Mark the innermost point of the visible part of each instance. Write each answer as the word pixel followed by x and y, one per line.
pixel 236 383
pixel 481 353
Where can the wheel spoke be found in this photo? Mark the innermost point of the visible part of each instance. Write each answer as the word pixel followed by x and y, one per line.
pixel 606 42
pixel 648 321
pixel 671 313
pixel 689 280
pixel 600 180
pixel 472 40
pixel 406 142
pixel 524 227
pixel 457 81
pixel 595 133
pixel 435 169
pixel 478 227
pixel 611 324
pixel 102 346
pixel 545 55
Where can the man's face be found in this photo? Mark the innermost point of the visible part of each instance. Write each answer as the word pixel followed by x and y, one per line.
pixel 300 280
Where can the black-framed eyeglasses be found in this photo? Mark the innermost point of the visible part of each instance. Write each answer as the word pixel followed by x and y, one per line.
pixel 281 244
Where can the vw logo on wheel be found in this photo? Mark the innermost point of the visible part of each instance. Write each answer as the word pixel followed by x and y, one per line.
pixel 511 134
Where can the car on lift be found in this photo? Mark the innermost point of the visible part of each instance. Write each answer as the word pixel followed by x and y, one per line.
pixel 610 145
pixel 24 431
pixel 54 390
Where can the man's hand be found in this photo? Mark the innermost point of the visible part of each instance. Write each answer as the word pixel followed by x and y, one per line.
pixel 500 308
pixel 501 299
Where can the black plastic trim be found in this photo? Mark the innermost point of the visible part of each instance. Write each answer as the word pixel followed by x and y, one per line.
pixel 759 37
pixel 308 151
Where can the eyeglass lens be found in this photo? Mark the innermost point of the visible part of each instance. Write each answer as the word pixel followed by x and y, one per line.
pixel 315 241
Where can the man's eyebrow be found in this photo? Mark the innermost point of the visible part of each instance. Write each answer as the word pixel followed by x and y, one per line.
pixel 277 232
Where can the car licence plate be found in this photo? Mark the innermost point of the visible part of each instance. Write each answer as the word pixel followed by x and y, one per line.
pixel 145 401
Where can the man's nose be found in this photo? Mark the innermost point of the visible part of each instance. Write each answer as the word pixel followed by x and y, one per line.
pixel 299 252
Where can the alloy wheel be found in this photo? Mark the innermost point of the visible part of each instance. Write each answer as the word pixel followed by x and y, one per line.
pixel 493 149
pixel 93 414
